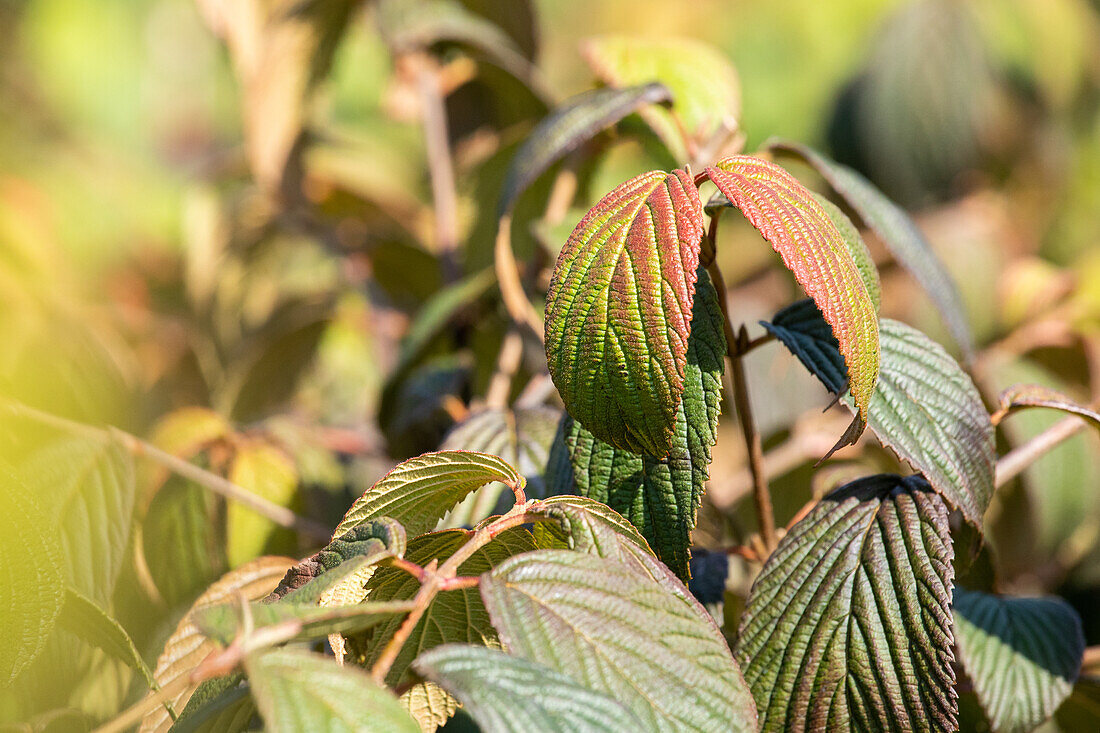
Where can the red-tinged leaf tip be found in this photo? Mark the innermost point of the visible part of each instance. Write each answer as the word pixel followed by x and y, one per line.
pixel 786 213
pixel 618 313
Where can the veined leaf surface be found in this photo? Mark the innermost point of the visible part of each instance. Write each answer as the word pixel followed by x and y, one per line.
pixel 814 250
pixel 490 684
pixel 87 620
pixel 926 408
pixel 585 525
pixel 898 233
pixel 571 125
pixel 618 313
pixel 1022 655
pixel 297 690
pixel 420 491
pixel 660 496
pixel 848 626
pixel 630 631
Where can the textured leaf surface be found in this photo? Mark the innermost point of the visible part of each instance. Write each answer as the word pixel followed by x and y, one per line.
pixel 586 525
pixel 506 694
pixel 1021 396
pixel 91 623
pixel 618 312
pixel 660 496
pixel 32 587
pixel 223 622
pixel 268 472
pixel 848 626
pixel 814 250
pixel 898 233
pixel 219 705
pixel 612 627
pixel 522 437
pixel 705 89
pixel 574 123
pixel 925 407
pixel 301 691
pixel 188 646
pixel 420 491
pixel 1022 655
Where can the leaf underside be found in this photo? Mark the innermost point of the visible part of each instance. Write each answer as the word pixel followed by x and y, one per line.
pixel 618 311
pixel 660 496
pixel 574 123
pixel 506 694
pixel 898 233
pixel 788 215
pixel 925 407
pixel 631 631
pixel 420 491
pixel 1022 655
pixel 848 626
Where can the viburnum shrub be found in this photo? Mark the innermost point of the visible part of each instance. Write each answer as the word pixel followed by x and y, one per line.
pixel 576 602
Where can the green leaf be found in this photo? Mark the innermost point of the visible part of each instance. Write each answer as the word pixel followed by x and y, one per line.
pixel 898 233
pixel 370 542
pixel 631 631
pixel 522 437
pixel 705 89
pixel 298 690
pixel 848 626
pixel 88 488
pixel 574 123
pixel 505 694
pixel 1022 655
pixel 618 312
pixel 420 491
pixel 453 616
pixel 814 250
pixel 32 577
pixel 661 496
pixel 266 471
pixel 1022 396
pixel 926 408
pixel 584 525
pixel 188 646
pixel 219 705
pixel 88 621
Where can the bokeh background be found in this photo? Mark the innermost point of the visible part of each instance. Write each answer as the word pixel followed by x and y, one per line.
pixel 221 233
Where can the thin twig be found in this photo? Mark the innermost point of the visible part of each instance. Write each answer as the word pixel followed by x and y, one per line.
pixel 735 347
pixel 1013 463
pixel 511 355
pixel 512 293
pixel 139 448
pixel 440 163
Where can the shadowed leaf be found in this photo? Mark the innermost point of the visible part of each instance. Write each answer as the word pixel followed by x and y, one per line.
pixel 1022 655
pixel 618 312
pixel 91 623
pixel 848 626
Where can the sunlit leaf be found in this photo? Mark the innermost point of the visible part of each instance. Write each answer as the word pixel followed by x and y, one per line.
pixel 94 625
pixel 705 89
pixel 660 496
pixel 814 250
pixel 187 646
pixel 925 407
pixel 618 312
pixel 898 233
pixel 490 684
pixel 1022 655
pixel 32 581
pixel 630 631
pixel 420 491
pixel 297 690
pixel 586 525
pixel 522 437
pixel 267 472
pixel 848 626
pixel 1022 396
pixel 571 125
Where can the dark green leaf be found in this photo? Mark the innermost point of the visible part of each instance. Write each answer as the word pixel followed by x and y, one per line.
pixel 1022 655
pixel 926 408
pixel 660 496
pixel 848 626
pixel 631 631
pixel 220 705
pixel 571 125
pixel 898 233
pixel 301 691
pixel 505 694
